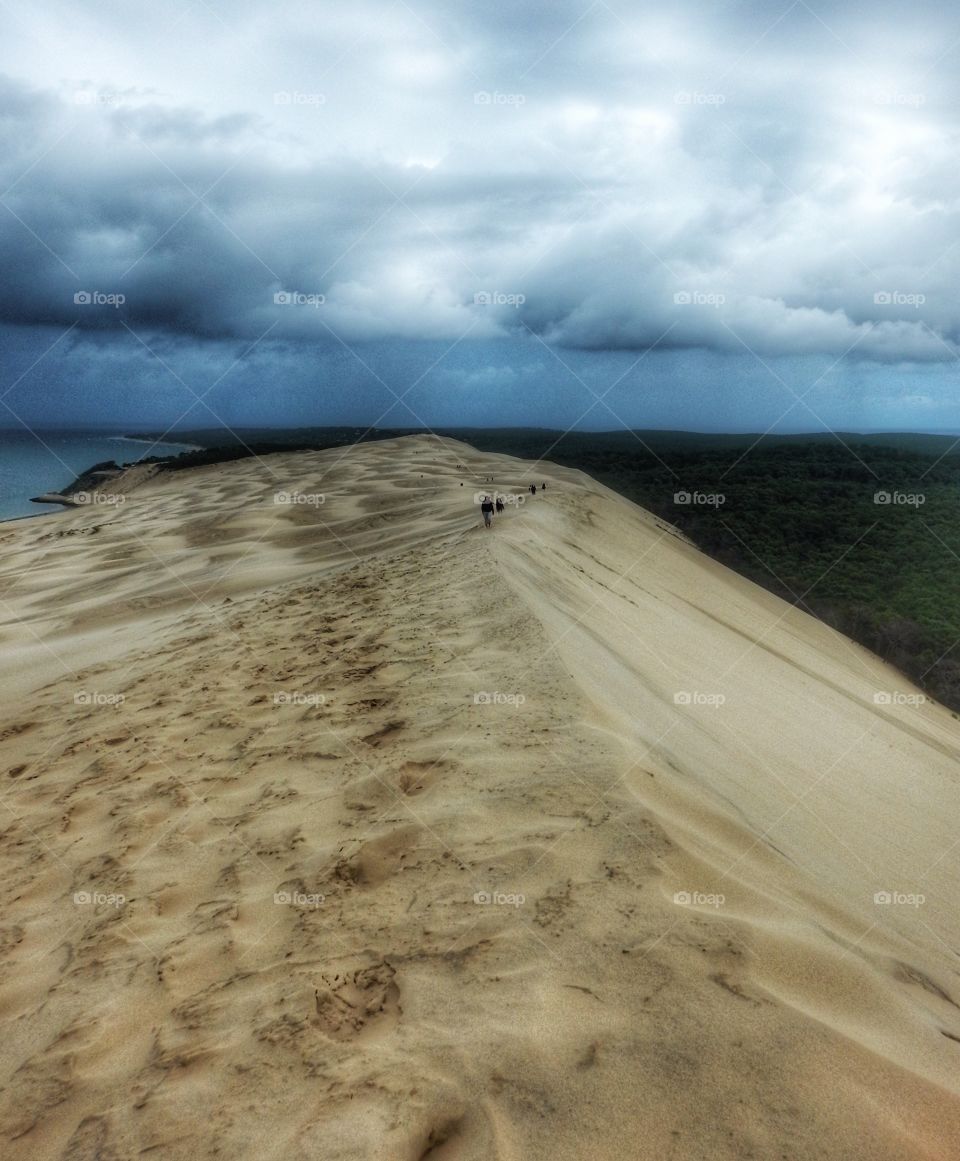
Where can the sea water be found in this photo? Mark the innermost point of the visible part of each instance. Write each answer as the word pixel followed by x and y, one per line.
pixel 33 462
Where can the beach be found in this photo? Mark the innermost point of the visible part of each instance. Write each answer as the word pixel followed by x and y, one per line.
pixel 338 826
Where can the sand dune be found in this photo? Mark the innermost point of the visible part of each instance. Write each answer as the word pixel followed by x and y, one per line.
pixel 342 828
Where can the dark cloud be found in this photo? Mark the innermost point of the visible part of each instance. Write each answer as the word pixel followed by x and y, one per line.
pixel 775 183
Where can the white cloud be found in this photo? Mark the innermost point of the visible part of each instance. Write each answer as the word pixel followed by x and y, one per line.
pixel 793 170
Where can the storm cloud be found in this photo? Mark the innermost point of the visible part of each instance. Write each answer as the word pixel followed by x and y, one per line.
pixel 744 180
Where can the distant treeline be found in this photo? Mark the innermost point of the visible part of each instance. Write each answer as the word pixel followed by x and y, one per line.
pixel 224 454
pixel 861 531
pixel 494 439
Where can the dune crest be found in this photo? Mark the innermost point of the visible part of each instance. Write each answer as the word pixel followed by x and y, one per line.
pixel 339 827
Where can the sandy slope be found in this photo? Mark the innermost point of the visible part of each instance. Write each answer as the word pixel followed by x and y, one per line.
pixel 300 796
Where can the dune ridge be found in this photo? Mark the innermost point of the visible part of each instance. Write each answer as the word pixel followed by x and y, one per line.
pixel 343 828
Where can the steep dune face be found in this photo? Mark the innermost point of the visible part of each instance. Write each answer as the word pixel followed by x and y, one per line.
pixel 400 838
pixel 795 773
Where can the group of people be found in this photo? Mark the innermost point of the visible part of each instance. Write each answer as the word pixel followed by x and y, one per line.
pixel 488 505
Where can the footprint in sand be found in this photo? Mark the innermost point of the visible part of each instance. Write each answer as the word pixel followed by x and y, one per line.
pixel 347 1002
pixel 415 777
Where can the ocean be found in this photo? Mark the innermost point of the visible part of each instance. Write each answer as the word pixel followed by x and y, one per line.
pixel 46 461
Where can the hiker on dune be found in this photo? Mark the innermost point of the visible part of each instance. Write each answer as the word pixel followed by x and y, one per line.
pixel 486 507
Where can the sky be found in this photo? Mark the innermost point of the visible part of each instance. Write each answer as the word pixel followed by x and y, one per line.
pixel 702 215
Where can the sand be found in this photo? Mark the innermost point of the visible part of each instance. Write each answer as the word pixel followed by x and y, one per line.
pixel 346 828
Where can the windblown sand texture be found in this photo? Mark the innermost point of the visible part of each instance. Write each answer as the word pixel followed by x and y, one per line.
pixel 283 749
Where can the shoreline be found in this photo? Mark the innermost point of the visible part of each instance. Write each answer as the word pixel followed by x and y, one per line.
pixel 157 442
pixel 47 507
pixel 31 515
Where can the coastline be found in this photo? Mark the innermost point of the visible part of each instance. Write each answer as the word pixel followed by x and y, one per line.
pixel 48 502
pixel 29 515
pixel 157 442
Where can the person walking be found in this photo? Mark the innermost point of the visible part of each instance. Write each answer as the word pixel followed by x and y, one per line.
pixel 499 505
pixel 486 507
pixel 533 489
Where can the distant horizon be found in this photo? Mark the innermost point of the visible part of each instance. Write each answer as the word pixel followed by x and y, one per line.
pixel 127 431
